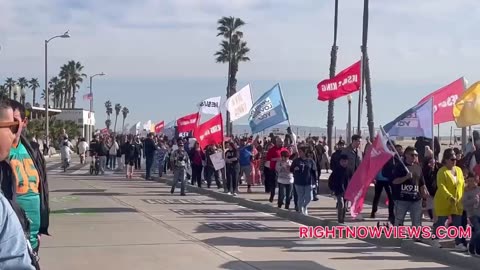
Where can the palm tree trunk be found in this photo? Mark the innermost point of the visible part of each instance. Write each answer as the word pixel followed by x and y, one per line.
pixel 61 105
pixel 33 99
pixel 366 73
pixel 9 92
pixel 123 124
pixel 333 65
pixel 73 98
pixel 115 125
pixel 228 124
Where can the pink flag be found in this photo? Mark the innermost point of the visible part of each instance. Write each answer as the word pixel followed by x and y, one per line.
pixel 88 97
pixel 377 155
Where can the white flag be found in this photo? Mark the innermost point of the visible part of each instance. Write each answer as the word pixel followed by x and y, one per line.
pixel 210 106
pixel 240 103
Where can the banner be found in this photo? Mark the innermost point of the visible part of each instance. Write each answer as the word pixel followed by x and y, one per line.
pixel 217 161
pixel 135 129
pixel 444 99
pixel 240 103
pixel 467 109
pixel 159 127
pixel 346 82
pixel 169 129
pixel 375 157
pixel 187 123
pixel 210 132
pixel 269 110
pixel 210 106
pixel 415 122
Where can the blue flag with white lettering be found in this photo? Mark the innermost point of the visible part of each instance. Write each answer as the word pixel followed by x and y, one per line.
pixel 415 122
pixel 269 110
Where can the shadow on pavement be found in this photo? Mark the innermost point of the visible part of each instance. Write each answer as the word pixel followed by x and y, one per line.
pixel 278 265
pixel 94 210
pixel 78 190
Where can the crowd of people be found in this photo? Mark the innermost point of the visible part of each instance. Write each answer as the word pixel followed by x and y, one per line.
pixel 415 180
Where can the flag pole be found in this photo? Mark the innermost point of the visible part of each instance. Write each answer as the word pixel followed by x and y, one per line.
pixel 464 129
pixel 389 141
pixel 360 96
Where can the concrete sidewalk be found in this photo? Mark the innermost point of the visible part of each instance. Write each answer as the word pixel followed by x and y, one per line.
pixel 323 213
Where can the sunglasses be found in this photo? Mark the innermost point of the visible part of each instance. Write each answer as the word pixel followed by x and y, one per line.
pixel 13 126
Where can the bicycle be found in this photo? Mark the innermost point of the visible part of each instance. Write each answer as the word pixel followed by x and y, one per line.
pixel 94 165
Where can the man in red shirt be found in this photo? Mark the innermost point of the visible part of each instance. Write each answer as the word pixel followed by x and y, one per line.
pixel 273 155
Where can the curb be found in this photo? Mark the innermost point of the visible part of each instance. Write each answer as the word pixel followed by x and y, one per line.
pixel 408 247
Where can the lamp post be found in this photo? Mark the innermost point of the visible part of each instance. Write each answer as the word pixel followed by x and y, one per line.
pixel 349 124
pixel 15 92
pixel 47 94
pixel 91 90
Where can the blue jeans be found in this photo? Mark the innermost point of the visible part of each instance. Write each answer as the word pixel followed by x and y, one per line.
pixel 456 221
pixel 179 175
pixel 414 207
pixel 304 194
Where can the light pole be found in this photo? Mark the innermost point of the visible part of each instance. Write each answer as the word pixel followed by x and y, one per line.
pixel 47 94
pixel 349 124
pixel 91 91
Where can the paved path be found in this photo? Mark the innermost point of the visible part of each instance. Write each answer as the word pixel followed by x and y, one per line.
pixel 108 222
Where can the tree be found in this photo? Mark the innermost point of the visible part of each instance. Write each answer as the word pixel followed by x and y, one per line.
pixel 9 84
pixel 3 91
pixel 108 107
pixel 366 74
pixel 108 123
pixel 36 127
pixel 33 84
pixel 22 83
pixel 56 91
pixel 333 65
pixel 72 74
pixel 118 108
pixel 233 50
pixel 125 112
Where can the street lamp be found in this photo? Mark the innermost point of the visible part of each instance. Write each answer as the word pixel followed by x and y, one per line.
pixel 91 91
pixel 47 94
pixel 349 124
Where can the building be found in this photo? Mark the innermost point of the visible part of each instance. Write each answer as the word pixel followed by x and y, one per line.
pixel 83 118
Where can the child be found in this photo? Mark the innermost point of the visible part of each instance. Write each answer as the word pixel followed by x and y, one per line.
pixel 285 180
pixel 338 183
pixel 471 202
pixel 303 168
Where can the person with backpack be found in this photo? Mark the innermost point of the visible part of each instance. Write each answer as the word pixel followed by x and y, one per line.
pixel 180 165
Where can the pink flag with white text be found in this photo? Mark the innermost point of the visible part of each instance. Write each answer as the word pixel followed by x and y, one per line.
pixel 377 155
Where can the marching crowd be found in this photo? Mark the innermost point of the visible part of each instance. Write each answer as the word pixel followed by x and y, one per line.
pixel 415 180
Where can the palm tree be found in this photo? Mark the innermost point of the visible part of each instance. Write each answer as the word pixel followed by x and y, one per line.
pixel 9 84
pixel 366 74
pixel 22 83
pixel 108 107
pixel 125 112
pixel 72 74
pixel 56 87
pixel 333 65
pixel 233 50
pixel 33 84
pixel 108 123
pixel 3 91
pixel 118 108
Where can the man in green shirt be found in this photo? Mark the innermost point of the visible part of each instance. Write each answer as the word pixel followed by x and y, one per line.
pixel 29 181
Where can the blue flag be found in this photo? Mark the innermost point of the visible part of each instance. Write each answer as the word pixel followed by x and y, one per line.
pixel 415 122
pixel 269 110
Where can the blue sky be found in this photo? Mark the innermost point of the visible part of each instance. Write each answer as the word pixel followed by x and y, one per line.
pixel 158 54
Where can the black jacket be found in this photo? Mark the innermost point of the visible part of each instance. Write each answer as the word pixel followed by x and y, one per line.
pixel 339 179
pixel 8 186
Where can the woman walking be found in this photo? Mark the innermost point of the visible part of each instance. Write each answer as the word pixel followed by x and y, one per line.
pixel 232 168
pixel 448 197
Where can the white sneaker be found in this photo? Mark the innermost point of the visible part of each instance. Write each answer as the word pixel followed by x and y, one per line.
pixel 461 247
pixel 436 243
pixel 234 194
pixel 229 193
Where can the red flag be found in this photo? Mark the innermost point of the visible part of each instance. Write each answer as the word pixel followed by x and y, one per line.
pixel 159 127
pixel 210 132
pixel 346 82
pixel 376 156
pixel 187 123
pixel 88 96
pixel 443 101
